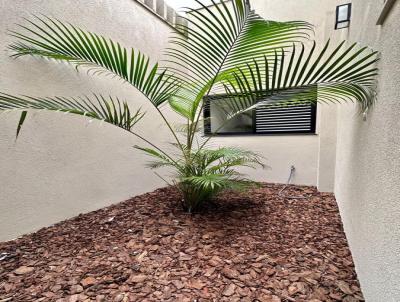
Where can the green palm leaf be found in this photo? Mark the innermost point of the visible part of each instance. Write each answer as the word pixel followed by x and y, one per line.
pixel 49 38
pixel 110 110
pixel 210 181
pixel 220 40
pixel 229 49
pixel 160 159
pixel 223 157
pixel 346 74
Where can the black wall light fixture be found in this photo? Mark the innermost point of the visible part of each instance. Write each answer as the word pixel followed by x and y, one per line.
pixel 343 15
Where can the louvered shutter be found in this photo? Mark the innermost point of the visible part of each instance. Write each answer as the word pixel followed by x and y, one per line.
pixel 267 120
pixel 287 119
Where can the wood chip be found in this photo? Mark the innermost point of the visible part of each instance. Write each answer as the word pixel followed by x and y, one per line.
pixel 88 281
pixel 229 290
pixel 241 247
pixel 22 270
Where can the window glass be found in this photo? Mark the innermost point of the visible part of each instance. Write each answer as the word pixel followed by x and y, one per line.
pixel 220 121
pixel 275 119
pixel 343 25
pixel 343 13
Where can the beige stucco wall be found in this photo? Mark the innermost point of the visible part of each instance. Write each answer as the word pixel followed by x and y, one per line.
pixel 281 152
pixel 311 155
pixel 368 162
pixel 61 165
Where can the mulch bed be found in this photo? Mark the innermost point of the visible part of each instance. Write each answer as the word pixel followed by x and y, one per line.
pixel 255 246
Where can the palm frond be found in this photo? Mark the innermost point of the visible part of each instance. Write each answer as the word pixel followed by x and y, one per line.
pixel 214 183
pixel 21 121
pixel 161 159
pixel 50 38
pixel 228 37
pixel 227 157
pixel 346 74
pixel 209 182
pixel 110 110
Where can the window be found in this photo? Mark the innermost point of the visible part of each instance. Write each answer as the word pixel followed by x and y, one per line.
pixel 149 3
pixel 167 14
pixel 170 15
pixel 160 8
pixel 288 119
pixel 181 24
pixel 343 15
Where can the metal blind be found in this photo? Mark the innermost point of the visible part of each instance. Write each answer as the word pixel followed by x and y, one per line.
pixel 290 119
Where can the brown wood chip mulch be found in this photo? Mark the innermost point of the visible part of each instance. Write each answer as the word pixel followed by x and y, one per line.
pixel 257 246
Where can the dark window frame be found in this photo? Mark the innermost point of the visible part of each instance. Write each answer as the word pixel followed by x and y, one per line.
pixel 337 22
pixel 207 123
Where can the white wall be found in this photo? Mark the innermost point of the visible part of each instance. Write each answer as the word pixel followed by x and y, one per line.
pixel 285 150
pixel 62 166
pixel 368 162
pixel 312 155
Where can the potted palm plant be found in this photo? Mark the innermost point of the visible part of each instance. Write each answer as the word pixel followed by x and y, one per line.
pixel 226 49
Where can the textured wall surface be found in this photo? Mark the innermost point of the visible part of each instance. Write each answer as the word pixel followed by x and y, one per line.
pixel 61 165
pixel 368 162
pixel 321 148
